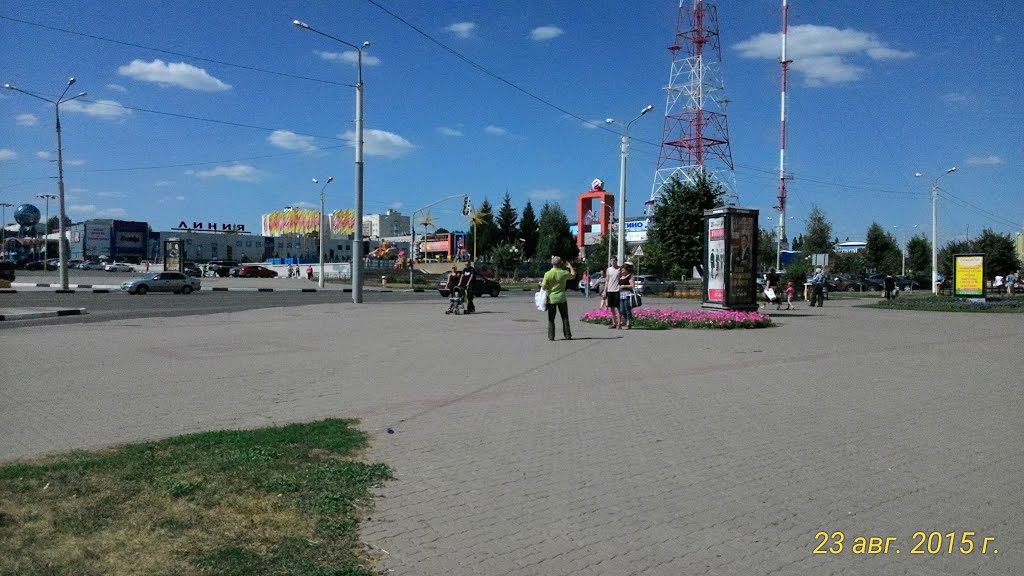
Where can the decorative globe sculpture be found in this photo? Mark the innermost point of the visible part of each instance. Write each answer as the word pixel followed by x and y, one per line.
pixel 27 215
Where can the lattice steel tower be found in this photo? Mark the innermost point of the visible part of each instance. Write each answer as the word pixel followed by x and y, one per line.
pixel 695 138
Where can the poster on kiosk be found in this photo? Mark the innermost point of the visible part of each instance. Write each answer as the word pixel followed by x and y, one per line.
pixel 730 258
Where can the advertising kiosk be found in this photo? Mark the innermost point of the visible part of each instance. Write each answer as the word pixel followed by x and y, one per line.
pixel 730 258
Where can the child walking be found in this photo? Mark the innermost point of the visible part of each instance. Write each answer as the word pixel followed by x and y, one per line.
pixel 790 290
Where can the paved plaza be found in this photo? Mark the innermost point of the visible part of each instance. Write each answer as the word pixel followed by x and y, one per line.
pixel 639 452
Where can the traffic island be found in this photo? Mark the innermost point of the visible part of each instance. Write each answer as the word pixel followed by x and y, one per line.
pixel 662 319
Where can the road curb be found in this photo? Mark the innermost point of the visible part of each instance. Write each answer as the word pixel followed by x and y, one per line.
pixel 48 313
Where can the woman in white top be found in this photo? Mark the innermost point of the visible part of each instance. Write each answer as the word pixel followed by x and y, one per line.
pixel 611 290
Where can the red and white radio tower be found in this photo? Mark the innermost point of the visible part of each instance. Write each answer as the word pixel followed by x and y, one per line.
pixel 782 243
pixel 695 138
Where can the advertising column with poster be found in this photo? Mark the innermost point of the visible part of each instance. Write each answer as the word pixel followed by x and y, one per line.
pixel 174 255
pixel 969 275
pixel 730 254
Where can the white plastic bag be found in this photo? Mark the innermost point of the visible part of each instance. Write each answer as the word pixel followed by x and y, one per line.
pixel 769 293
pixel 540 299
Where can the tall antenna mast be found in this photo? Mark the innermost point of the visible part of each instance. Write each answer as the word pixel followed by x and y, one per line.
pixel 695 137
pixel 782 142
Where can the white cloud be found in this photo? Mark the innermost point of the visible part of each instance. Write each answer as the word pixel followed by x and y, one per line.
pixel 990 160
pixel 822 54
pixel 546 33
pixel 304 204
pixel 495 130
pixel 592 124
pixel 349 57
pixel 82 208
pixel 291 141
pixel 163 183
pixel 462 29
pixel 380 143
pixel 105 109
pixel 545 194
pixel 179 198
pixel 7 154
pixel 239 172
pixel 395 206
pixel 76 162
pixel 116 88
pixel 955 97
pixel 111 195
pixel 111 213
pixel 43 155
pixel 173 74
pixel 446 131
pixel 26 119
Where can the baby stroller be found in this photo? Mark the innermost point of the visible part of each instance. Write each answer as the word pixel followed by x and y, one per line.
pixel 455 302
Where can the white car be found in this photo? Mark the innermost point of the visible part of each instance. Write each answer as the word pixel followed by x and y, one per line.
pixel 118 267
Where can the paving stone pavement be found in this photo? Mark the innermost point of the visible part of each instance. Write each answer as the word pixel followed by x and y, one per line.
pixel 640 452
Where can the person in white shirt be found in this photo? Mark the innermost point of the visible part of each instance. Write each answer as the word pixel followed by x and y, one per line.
pixel 611 290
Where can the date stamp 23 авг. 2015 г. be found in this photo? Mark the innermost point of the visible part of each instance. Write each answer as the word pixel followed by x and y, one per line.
pixel 930 543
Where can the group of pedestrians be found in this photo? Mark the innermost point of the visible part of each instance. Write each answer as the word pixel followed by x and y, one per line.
pixel 296 271
pixel 619 283
pixel 460 284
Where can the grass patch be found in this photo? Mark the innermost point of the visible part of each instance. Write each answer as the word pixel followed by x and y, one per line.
pixel 933 303
pixel 282 500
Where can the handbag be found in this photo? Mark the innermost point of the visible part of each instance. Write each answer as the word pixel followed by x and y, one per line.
pixel 635 301
pixel 540 299
pixel 769 293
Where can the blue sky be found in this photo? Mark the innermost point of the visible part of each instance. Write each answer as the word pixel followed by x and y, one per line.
pixel 878 91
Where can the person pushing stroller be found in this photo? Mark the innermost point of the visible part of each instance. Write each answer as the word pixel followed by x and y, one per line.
pixel 455 292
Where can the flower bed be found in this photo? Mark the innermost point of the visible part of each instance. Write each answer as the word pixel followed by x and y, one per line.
pixel 661 319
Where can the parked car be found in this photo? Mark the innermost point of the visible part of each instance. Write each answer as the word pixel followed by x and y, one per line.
pixel 873 283
pixel 7 270
pixel 481 286
pixel 193 269
pixel 650 284
pixel 72 263
pixel 119 267
pixel 220 267
pixel 907 283
pixel 51 264
pixel 162 282
pixel 252 271
pixel 847 283
pixel 595 282
pixel 90 266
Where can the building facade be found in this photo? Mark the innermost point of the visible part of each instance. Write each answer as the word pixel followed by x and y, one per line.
pixel 119 240
pixel 387 225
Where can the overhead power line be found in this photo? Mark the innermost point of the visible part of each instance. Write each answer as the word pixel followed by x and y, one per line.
pixel 173 53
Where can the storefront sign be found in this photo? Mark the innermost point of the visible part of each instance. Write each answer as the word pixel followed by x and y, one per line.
pixel 210 227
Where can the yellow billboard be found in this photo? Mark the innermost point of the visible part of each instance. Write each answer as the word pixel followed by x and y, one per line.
pixel 301 221
pixel 969 275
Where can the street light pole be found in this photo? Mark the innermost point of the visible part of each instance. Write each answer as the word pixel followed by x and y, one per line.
pixel 3 228
pixel 357 236
pixel 320 228
pixel 623 153
pixel 46 228
pixel 935 248
pixel 60 172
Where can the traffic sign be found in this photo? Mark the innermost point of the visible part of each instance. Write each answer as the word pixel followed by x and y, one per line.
pixel 639 251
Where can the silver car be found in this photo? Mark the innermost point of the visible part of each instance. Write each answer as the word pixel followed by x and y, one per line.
pixel 648 284
pixel 162 282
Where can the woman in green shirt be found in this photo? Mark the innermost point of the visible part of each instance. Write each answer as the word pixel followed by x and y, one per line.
pixel 554 282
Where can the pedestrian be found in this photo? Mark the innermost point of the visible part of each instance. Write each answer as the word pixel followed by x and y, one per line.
pixel 309 272
pixel 291 271
pixel 610 293
pixel 467 282
pixel 771 289
pixel 790 292
pixel 889 285
pixel 626 287
pixel 1011 279
pixel 554 282
pixel 818 288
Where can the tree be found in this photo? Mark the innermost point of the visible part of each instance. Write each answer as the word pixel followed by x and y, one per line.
pixel 767 248
pixel 506 257
pixel 508 222
pixel 882 252
pixel 54 223
pixel 483 233
pixel 946 256
pixel 597 254
pixel 919 256
pixel 675 238
pixel 442 230
pixel 817 238
pixel 1000 256
pixel 528 230
pixel 554 235
pixel 847 263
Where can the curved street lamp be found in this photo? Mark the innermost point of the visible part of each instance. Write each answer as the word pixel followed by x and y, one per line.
pixel 935 247
pixel 623 153
pixel 60 172
pixel 320 228
pixel 357 236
